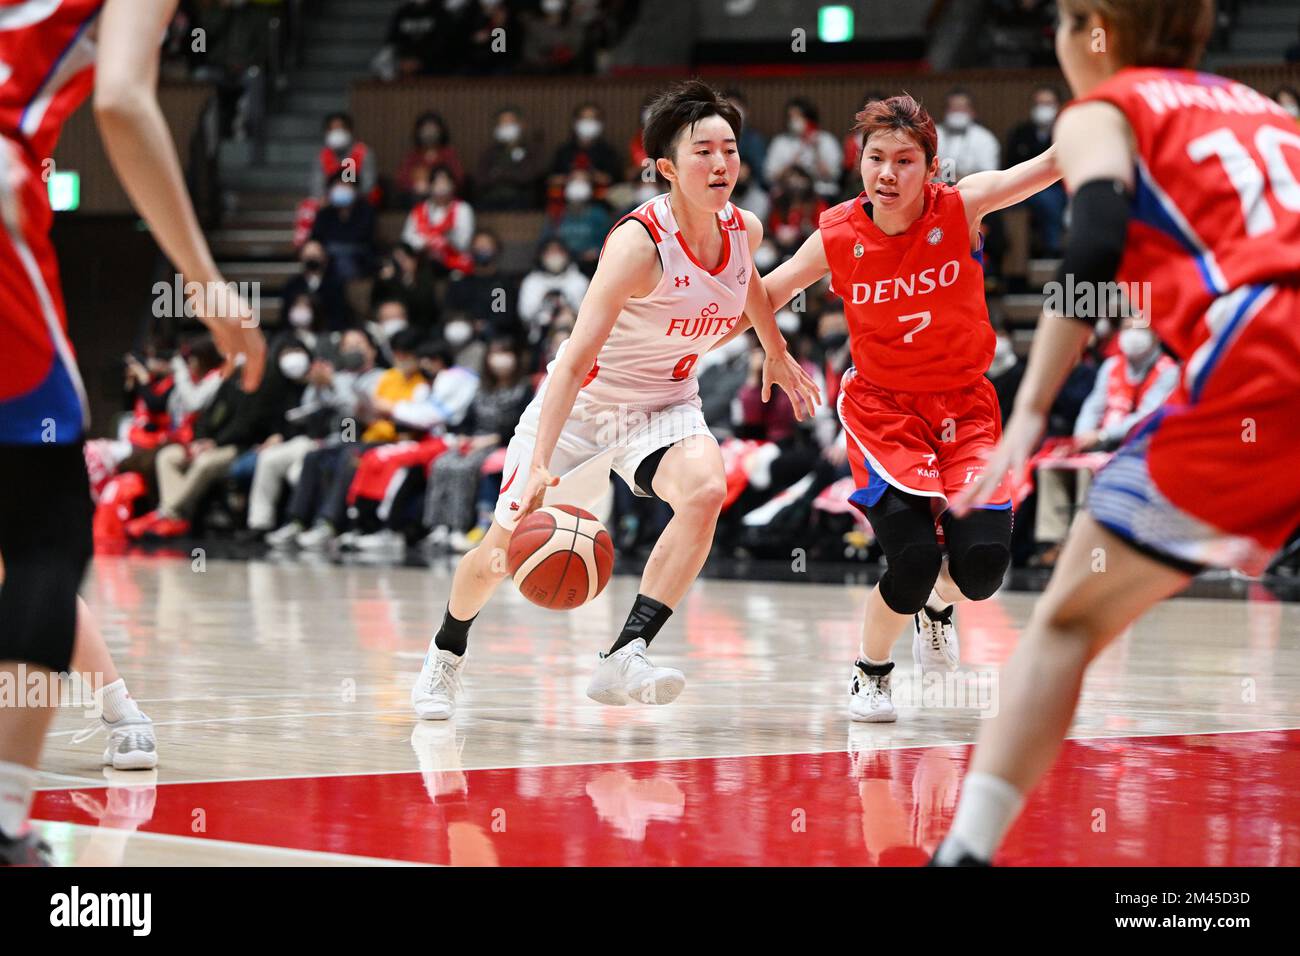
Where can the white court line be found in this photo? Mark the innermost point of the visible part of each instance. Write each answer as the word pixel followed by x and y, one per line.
pixel 264 849
pixel 912 745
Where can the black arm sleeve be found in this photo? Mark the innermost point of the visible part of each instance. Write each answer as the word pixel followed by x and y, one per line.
pixel 1099 217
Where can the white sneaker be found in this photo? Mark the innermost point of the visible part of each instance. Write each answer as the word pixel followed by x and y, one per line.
pixel 316 538
pixel 284 537
pixel 131 742
pixel 627 675
pixel 870 699
pixel 347 541
pixel 435 690
pixel 385 540
pixel 934 643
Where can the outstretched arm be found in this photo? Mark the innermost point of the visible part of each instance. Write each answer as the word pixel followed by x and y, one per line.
pixel 995 189
pixel 140 147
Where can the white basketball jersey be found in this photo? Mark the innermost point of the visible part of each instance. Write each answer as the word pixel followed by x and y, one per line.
pixel 650 357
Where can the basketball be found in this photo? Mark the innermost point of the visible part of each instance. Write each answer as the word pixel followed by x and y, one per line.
pixel 560 557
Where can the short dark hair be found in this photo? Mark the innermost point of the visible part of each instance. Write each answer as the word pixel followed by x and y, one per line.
pixel 805 106
pixel 346 119
pixel 432 116
pixel 683 106
pixel 407 340
pixel 438 349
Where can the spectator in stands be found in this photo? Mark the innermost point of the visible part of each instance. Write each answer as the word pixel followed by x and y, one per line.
pixel 1288 98
pixel 1005 371
pixel 441 227
pixel 407 276
pixel 752 144
pixel 1128 388
pixel 584 222
pixel 325 418
pixel 492 45
pixel 965 146
pixel 306 326
pixel 509 172
pixel 379 498
pixel 1027 140
pixel 421 39
pixel 555 281
pixel 346 228
pixel 796 209
pixel 503 394
pixel 485 296
pixel 274 403
pixel 749 193
pixel 319 502
pixel 587 150
pixel 804 144
pixel 431 148
pixel 461 336
pixel 344 156
pixel 391 320
pixel 320 283
pixel 553 40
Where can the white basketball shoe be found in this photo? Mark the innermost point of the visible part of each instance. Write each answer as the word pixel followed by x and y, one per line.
pixel 627 676
pixel 131 742
pixel 435 691
pixel 934 641
pixel 870 698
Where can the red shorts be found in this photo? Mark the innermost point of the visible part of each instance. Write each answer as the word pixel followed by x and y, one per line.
pixel 922 443
pixel 1213 478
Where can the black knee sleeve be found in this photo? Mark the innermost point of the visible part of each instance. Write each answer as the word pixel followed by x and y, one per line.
pixel 904 526
pixel 45 539
pixel 979 551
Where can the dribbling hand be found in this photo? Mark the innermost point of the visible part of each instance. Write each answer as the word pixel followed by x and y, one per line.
pixel 539 479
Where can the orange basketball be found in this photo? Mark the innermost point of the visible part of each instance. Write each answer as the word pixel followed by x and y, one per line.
pixel 560 557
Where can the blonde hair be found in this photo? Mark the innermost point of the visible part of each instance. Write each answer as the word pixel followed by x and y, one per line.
pixel 1166 33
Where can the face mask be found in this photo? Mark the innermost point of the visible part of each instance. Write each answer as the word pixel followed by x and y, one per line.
pixel 294 365
pixel 352 360
pixel 1135 343
pixel 338 139
pixel 833 341
pixel 1293 110
pixel 798 126
pixel 764 257
pixel 1043 114
pixel 300 316
pixel 430 136
pixel 507 132
pixel 313 264
pixel 578 190
pixel 342 196
pixel 458 333
pixel 588 128
pixel 392 326
pixel 787 322
pixel 555 262
pixel 484 256
pixel 443 191
pixel 502 364
pixel 957 120
pixel 552 6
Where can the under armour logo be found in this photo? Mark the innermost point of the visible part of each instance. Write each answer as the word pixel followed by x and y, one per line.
pixel 680 281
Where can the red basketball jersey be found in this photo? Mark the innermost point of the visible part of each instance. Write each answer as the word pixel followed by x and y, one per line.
pixel 914 302
pixel 1217 204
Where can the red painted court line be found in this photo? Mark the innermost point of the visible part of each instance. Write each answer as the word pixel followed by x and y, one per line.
pixel 1214 800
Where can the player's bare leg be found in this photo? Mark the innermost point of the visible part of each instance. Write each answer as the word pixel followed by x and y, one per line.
pixel 690 478
pixel 1100 587
pixel 478 574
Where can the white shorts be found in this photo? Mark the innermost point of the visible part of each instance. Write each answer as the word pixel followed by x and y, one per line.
pixel 596 439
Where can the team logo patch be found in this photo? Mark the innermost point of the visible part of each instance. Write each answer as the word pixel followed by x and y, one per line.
pixel 858 250
pixel 935 237
pixel 742 275
pixel 680 281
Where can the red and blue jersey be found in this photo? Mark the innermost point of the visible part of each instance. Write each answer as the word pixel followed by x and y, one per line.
pixel 1216 211
pixel 47 55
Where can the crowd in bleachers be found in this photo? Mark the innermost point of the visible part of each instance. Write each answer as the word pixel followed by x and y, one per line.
pixel 397 374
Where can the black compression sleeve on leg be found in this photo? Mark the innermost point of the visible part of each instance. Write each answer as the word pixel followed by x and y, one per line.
pixel 1099 218
pixel 644 621
pixel 454 634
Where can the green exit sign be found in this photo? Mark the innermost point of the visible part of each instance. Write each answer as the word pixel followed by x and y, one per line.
pixel 65 191
pixel 835 24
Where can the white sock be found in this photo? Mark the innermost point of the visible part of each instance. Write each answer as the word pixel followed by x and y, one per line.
pixel 988 807
pixel 17 786
pixel 887 660
pixel 117 702
pixel 936 603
